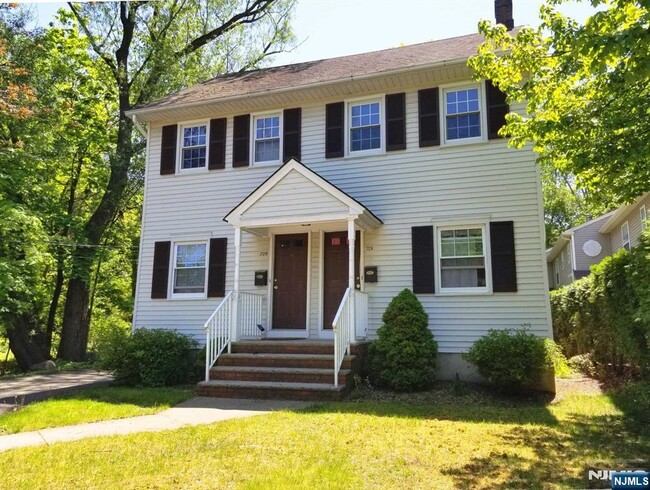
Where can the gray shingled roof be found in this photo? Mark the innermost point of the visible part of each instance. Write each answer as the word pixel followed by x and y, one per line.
pixel 327 70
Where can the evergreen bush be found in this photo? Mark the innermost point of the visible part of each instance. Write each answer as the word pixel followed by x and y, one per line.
pixel 512 360
pixel 403 358
pixel 148 357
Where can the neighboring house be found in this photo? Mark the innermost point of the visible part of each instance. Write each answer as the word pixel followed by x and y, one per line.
pixel 291 198
pixel 577 249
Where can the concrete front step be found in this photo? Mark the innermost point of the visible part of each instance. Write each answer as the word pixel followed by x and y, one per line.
pixel 283 347
pixel 272 390
pixel 312 361
pixel 287 375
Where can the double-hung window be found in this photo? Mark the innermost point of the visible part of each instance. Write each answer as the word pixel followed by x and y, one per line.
pixel 625 236
pixel 193 148
pixel 462 114
pixel 267 138
pixel 189 269
pixel 364 126
pixel 462 259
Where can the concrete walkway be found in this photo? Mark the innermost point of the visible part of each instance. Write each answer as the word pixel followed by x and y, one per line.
pixel 197 411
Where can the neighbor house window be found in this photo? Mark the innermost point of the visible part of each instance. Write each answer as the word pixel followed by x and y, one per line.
pixel 267 138
pixel 194 148
pixel 462 109
pixel 644 217
pixel 189 268
pixel 364 126
pixel 462 258
pixel 625 236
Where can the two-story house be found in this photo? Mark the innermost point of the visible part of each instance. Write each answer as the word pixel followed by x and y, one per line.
pixel 295 202
pixel 577 249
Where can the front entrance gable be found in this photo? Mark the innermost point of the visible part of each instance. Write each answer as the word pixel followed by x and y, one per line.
pixel 294 194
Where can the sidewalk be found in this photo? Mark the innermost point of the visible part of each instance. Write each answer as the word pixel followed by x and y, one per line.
pixel 26 389
pixel 196 411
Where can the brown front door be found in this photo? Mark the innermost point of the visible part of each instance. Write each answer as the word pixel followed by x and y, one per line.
pixel 336 272
pixel 290 282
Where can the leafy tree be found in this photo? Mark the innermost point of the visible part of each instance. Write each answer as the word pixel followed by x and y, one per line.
pixel 150 49
pixel 587 93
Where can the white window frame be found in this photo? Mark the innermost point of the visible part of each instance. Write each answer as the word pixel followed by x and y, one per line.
pixel 172 271
pixel 625 230
pixel 453 87
pixel 179 153
pixel 487 289
pixel 643 214
pixel 253 139
pixel 381 99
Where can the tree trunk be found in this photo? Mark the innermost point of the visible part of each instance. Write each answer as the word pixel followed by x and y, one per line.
pixel 23 346
pixel 76 313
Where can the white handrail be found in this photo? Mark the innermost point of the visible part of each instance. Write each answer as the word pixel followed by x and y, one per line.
pixel 218 332
pixel 251 311
pixel 342 326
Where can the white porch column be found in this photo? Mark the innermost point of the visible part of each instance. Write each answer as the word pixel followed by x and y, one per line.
pixel 234 333
pixel 351 278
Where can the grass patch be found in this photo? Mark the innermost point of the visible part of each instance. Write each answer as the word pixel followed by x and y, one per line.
pixel 466 441
pixel 92 405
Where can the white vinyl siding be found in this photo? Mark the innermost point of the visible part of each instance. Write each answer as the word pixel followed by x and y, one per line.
pixel 643 216
pixel 416 187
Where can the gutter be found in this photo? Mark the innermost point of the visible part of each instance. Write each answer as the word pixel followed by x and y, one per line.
pixel 138 125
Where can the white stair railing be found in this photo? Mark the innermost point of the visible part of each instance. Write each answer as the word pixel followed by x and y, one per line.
pixel 342 326
pixel 251 311
pixel 218 331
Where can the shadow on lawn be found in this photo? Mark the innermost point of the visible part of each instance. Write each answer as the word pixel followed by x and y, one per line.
pixel 561 455
pixel 459 411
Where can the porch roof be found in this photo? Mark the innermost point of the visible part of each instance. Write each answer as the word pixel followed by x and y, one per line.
pixel 296 195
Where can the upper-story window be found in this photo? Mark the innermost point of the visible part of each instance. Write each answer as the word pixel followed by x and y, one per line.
pixel 189 269
pixel 193 148
pixel 625 236
pixel 364 126
pixel 643 214
pixel 266 130
pixel 462 259
pixel 462 113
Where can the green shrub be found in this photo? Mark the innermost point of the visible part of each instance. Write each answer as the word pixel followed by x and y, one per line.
pixel 148 357
pixel 512 360
pixel 607 314
pixel 561 366
pixel 403 358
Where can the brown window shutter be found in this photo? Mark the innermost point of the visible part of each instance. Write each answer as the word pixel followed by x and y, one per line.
pixel 497 108
pixel 334 130
pixel 395 122
pixel 422 259
pixel 168 149
pixel 217 268
pixel 292 120
pixel 502 248
pixel 160 277
pixel 429 117
pixel 217 144
pixel 241 141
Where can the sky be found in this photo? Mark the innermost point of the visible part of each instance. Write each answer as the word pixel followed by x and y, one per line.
pixel 330 28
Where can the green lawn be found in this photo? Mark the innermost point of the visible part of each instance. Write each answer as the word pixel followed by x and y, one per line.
pixel 92 405
pixel 466 442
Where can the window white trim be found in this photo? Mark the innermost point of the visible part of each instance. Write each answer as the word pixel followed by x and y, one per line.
pixel 443 113
pixel 172 271
pixel 437 249
pixel 253 139
pixel 643 214
pixel 347 140
pixel 179 145
pixel 625 230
